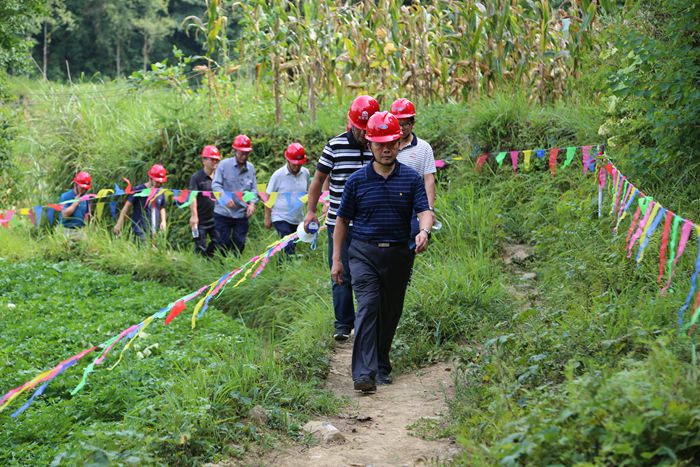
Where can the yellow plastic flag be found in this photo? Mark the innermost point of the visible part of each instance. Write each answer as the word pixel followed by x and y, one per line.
pixel 654 211
pixel 528 155
pixel 271 200
pixel 103 193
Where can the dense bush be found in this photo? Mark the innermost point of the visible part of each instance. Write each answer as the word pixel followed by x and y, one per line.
pixel 655 100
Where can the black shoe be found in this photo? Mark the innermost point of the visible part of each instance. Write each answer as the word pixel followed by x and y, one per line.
pixel 341 336
pixel 384 379
pixel 365 384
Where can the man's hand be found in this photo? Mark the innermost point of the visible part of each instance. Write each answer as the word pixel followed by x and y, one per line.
pixel 421 241
pixel 118 228
pixel 194 222
pixel 250 210
pixel 337 271
pixel 268 223
pixel 308 218
pixel 162 225
pixel 230 204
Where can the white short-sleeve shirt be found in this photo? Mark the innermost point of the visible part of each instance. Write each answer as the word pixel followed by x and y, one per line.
pixel 418 155
pixel 290 187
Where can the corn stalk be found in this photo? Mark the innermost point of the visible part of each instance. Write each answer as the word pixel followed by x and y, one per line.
pixel 432 50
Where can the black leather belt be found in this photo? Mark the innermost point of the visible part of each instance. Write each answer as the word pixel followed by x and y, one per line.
pixel 384 244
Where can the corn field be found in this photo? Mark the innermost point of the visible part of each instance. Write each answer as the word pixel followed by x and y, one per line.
pixel 427 50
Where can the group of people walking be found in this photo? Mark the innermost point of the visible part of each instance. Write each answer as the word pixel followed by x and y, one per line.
pixel 381 183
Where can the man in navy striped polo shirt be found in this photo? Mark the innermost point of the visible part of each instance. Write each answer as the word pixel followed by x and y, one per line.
pixel 380 200
pixel 341 157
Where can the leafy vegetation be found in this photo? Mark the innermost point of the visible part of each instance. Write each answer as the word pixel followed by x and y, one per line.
pixel 582 365
pixel 180 395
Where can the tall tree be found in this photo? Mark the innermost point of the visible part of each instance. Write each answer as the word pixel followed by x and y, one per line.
pixel 57 17
pixel 120 16
pixel 20 19
pixel 153 24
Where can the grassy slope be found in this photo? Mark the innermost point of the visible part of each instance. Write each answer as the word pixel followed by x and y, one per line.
pixel 598 332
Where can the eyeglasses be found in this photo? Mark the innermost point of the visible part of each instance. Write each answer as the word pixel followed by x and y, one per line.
pixel 407 123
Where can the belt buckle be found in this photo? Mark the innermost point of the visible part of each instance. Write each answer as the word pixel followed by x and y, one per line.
pixel 384 245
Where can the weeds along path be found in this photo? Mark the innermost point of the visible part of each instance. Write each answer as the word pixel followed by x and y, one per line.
pixel 395 426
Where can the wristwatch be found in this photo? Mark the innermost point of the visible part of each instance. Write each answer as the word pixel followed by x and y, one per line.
pixel 427 232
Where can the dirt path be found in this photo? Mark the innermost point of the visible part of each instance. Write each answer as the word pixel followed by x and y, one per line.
pixel 376 426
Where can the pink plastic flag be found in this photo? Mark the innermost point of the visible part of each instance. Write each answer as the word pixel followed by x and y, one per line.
pixel 514 161
pixel 664 245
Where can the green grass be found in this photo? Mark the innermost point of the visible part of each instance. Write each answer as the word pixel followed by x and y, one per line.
pixel 593 371
pixel 585 367
pixel 180 395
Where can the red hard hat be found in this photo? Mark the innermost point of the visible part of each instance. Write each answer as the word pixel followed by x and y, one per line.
pixel 242 143
pixel 295 154
pixel 83 180
pixel 157 173
pixel 211 152
pixel 361 109
pixel 403 108
pixel 383 127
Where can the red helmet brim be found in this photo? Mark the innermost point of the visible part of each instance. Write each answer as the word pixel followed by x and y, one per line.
pixel 384 138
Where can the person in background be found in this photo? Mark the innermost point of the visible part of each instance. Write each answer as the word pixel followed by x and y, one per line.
pixel 75 212
pixel 415 153
pixel 380 199
pixel 235 175
pixel 148 211
pixel 202 207
pixel 290 182
pixel 342 156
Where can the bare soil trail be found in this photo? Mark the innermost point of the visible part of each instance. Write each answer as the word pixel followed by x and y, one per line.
pixel 381 429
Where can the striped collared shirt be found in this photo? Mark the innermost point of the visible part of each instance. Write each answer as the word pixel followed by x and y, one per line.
pixel 341 157
pixel 418 155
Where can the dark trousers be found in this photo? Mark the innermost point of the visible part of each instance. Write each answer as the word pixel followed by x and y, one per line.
pixel 285 228
pixel 232 232
pixel 200 243
pixel 343 305
pixel 379 280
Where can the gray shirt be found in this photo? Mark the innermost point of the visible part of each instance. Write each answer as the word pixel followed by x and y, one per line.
pixel 232 178
pixel 290 187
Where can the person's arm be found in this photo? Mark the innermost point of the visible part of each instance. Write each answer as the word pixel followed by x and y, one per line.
pixel 68 211
pixel 340 233
pixel 163 223
pixel 251 204
pixel 429 176
pixel 425 216
pixel 326 187
pixel 314 193
pixel 194 217
pixel 323 169
pixel 425 223
pixel 429 181
pixel 268 218
pixel 122 215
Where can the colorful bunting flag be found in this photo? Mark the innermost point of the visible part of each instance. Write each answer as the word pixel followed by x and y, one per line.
pixel 527 155
pixel 570 154
pixel 500 157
